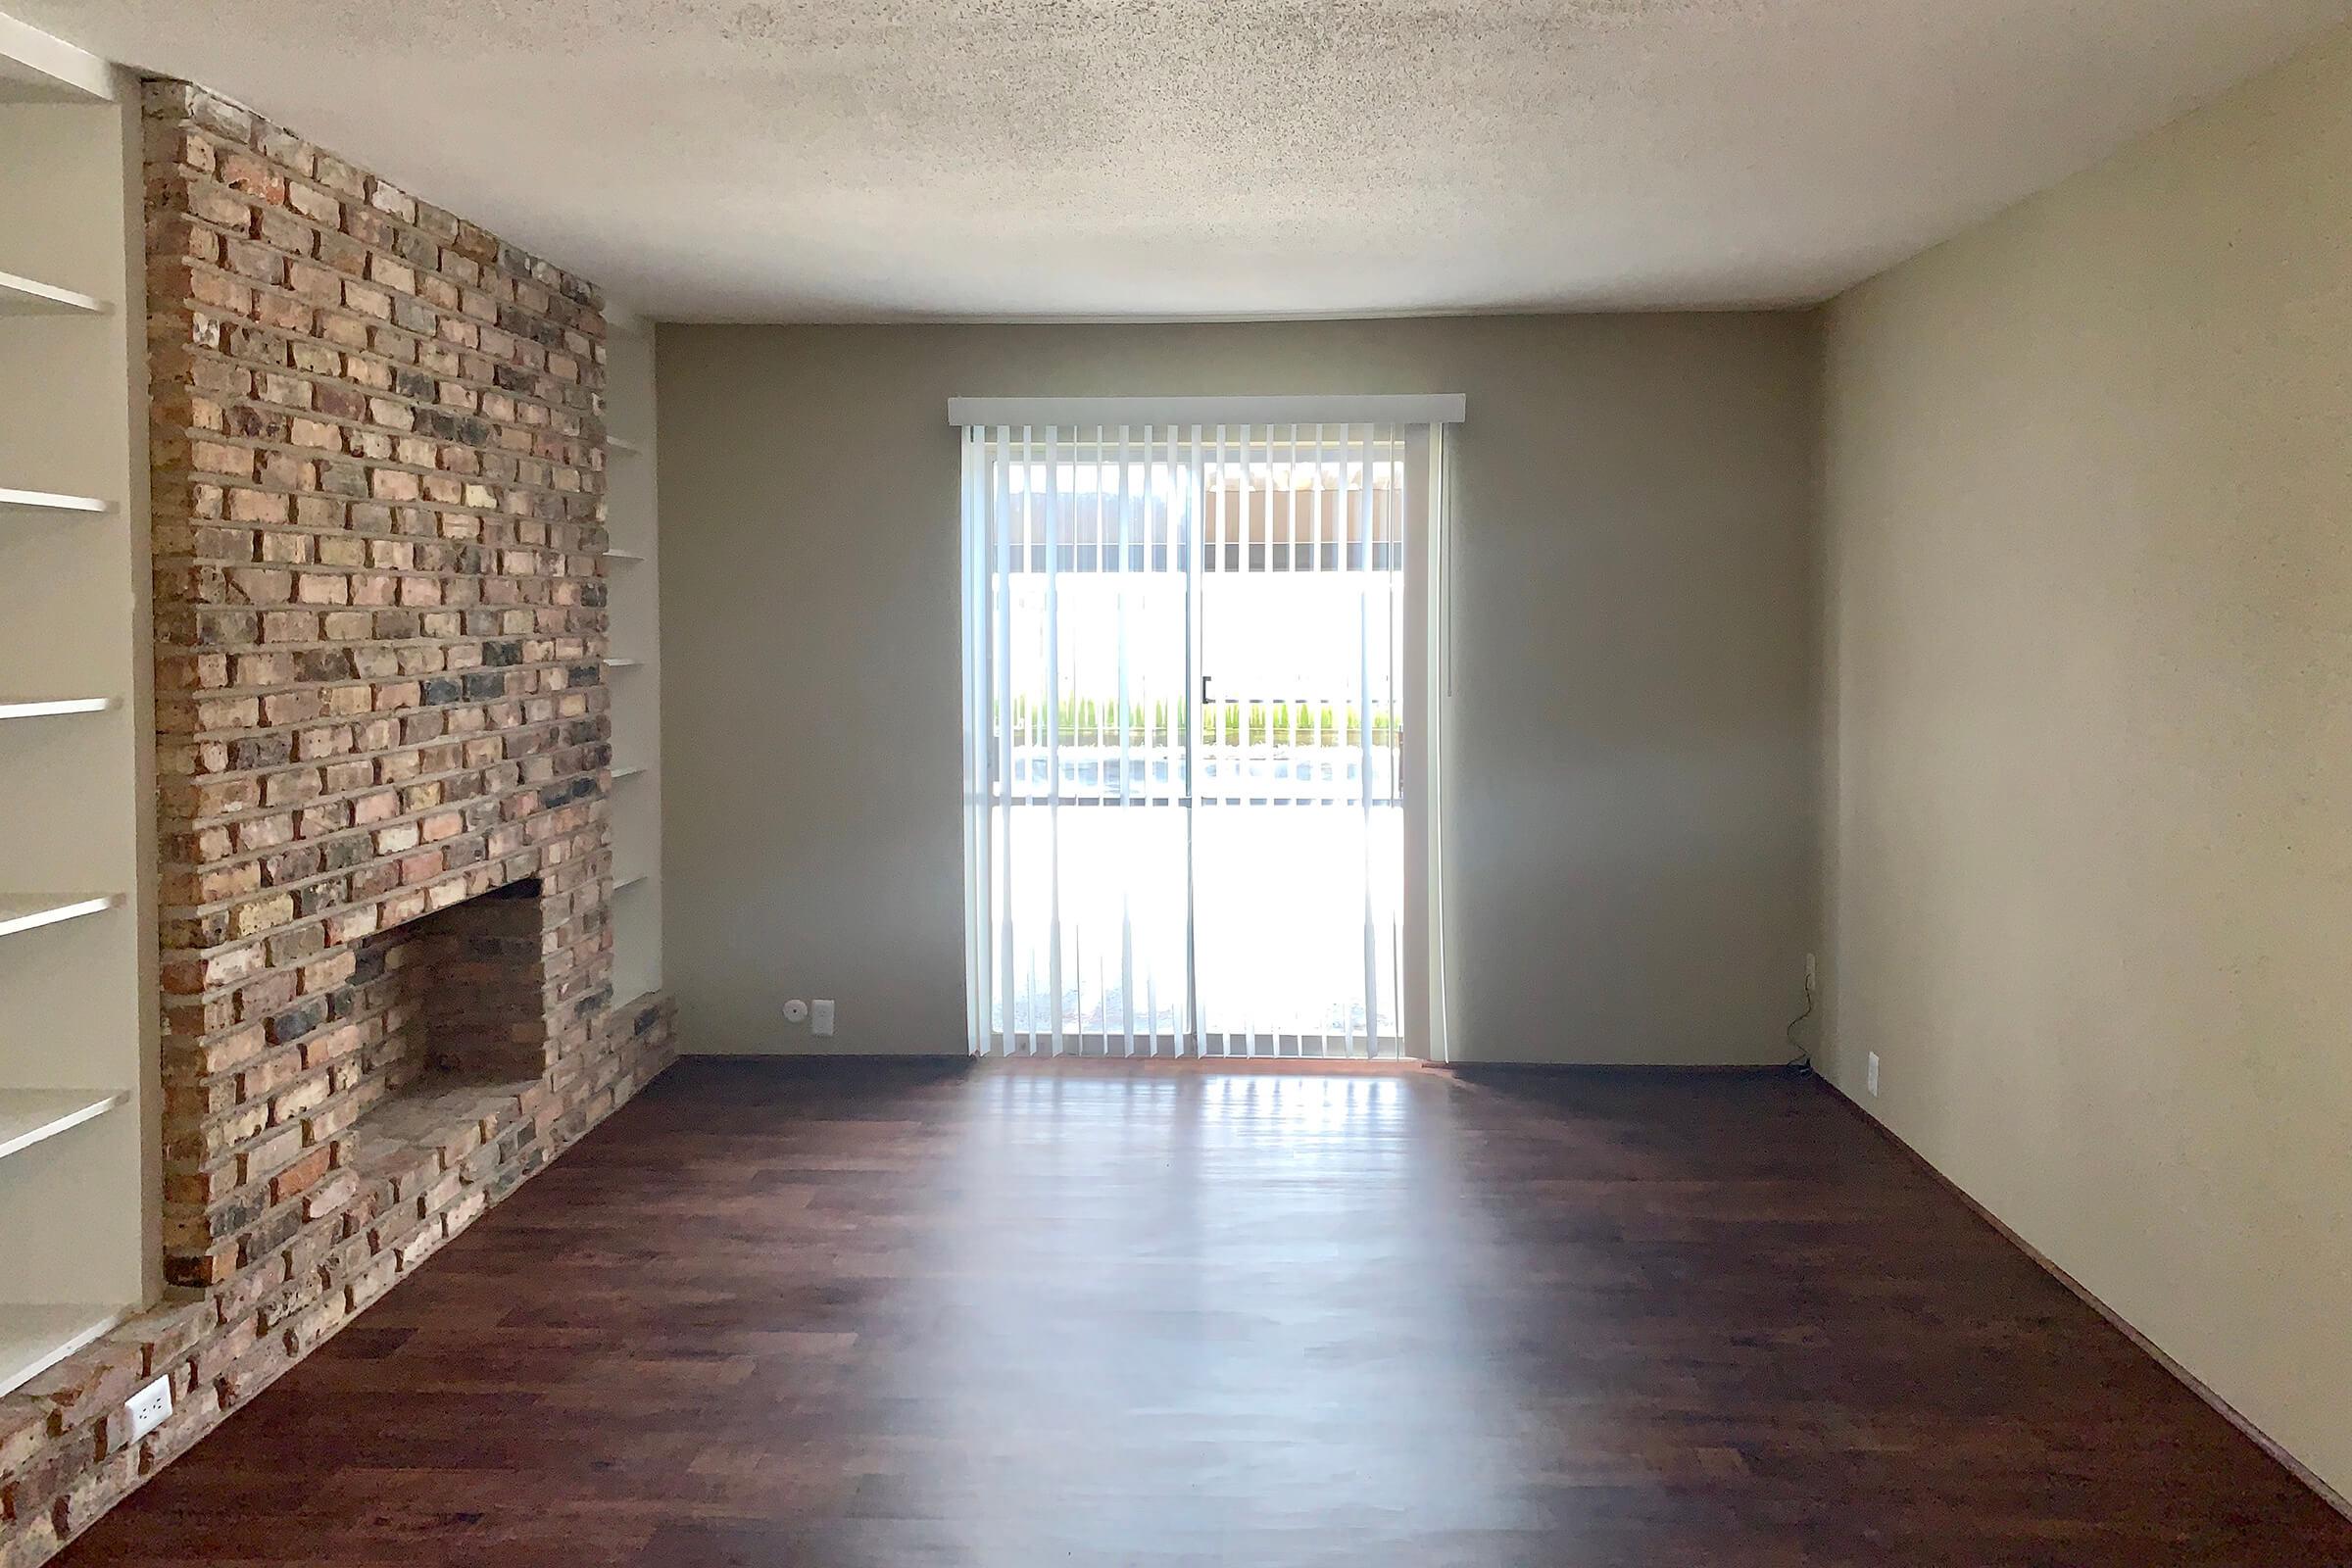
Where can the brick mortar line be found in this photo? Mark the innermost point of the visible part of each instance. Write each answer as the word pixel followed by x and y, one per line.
pixel 279 688
pixel 183 914
pixel 173 914
pixel 183 561
pixel 236 818
pixel 196 350
pixel 169 311
pixel 194 607
pixel 192 309
pixel 177 307
pixel 324 645
pixel 244 443
pixel 193 476
pixel 588 384
pixel 321 530
pixel 328 721
pixel 405 819
pixel 341 796
pixel 229 482
pixel 318 378
pixel 170 738
pixel 340 306
pixel 320 645
pixel 300 606
pixel 230 400
pixel 187 913
pixel 258 444
pixel 230 734
pixel 179 427
pixel 205 824
pixel 169 595
pixel 192 696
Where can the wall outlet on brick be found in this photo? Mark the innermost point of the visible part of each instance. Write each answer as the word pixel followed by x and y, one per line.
pixel 820 1018
pixel 148 1408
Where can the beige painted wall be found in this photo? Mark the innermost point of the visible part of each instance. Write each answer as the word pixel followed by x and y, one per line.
pixel 2089 485
pixel 1633 774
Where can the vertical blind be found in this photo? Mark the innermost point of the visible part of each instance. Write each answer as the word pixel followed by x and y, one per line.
pixel 1154 867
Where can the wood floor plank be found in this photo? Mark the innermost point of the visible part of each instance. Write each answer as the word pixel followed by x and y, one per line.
pixel 847 1314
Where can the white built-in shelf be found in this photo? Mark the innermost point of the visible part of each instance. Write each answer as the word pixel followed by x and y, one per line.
pixel 33 1339
pixel 48 501
pixel 624 556
pixel 36 69
pixel 623 445
pixel 29 1115
pixel 24 296
pixel 26 911
pixel 622 664
pixel 52 707
pixel 630 881
pixel 620 773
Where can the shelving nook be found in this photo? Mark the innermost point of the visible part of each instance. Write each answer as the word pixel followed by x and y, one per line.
pixel 79 1241
pixel 632 674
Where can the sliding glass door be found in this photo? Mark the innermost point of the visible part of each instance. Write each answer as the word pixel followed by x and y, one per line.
pixel 1085 576
pixel 1186 743
pixel 1298 837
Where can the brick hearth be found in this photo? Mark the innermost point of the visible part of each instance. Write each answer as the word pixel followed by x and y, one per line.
pixel 377 454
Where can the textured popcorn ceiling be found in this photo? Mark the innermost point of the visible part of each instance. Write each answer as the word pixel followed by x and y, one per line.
pixel 872 159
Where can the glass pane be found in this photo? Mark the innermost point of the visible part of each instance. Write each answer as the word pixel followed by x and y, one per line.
pixel 1299 841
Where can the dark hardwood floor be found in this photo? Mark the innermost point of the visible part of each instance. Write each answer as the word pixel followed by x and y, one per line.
pixel 782 1314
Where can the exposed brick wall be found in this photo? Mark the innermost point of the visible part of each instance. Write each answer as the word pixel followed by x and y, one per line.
pixel 379 502
pixel 377 451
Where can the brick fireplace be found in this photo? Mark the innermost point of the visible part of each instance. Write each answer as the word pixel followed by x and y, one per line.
pixel 458 997
pixel 383 747
pixel 383 740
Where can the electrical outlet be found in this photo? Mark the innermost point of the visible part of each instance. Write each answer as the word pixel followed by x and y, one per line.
pixel 148 1408
pixel 1872 1077
pixel 796 1011
pixel 820 1017
pixel 1812 974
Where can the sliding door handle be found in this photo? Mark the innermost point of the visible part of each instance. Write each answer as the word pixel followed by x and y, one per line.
pixel 1204 698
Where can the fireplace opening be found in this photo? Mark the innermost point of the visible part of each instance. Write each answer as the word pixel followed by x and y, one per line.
pixel 454 998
